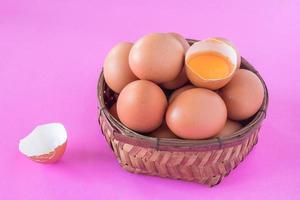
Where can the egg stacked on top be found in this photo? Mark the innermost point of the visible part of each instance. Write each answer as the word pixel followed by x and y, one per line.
pixel 210 94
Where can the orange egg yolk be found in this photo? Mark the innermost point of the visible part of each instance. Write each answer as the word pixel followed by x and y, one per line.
pixel 210 65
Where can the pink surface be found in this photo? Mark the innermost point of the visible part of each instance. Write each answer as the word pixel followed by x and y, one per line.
pixel 50 57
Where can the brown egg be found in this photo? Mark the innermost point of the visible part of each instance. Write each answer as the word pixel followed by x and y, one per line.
pixel 157 57
pixel 243 95
pixel 117 73
pixel 179 91
pixel 182 40
pixel 181 79
pixel 229 128
pixel 141 106
pixel 178 82
pixel 163 132
pixel 113 111
pixel 196 114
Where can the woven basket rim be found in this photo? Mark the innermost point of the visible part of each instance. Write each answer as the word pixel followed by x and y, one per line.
pixel 217 142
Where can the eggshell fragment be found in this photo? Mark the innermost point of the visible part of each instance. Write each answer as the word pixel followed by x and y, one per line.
pixel 243 95
pixel 229 128
pixel 196 114
pixel 218 46
pixel 157 57
pixel 116 70
pixel 141 106
pixel 45 144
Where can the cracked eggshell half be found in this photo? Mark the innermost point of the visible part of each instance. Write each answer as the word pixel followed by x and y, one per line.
pixel 233 46
pixel 45 144
pixel 219 47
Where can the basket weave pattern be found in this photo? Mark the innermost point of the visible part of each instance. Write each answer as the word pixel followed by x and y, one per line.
pixel 207 167
pixel 202 161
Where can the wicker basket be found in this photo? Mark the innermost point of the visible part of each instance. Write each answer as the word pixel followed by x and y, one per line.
pixel 203 161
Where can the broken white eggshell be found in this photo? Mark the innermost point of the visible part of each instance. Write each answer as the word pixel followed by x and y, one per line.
pixel 45 144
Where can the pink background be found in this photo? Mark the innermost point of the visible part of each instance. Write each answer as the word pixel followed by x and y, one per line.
pixel 50 58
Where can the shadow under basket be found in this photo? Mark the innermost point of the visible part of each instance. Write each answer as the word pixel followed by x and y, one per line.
pixel 202 161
